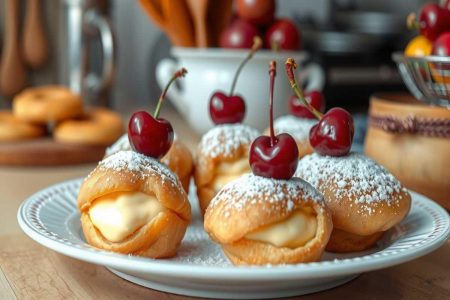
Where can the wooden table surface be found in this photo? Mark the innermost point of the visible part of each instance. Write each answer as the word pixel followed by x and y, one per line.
pixel 30 271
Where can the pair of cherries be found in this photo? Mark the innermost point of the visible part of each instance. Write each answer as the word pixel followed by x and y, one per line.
pixel 333 134
pixel 276 156
pixel 151 135
pixel 433 20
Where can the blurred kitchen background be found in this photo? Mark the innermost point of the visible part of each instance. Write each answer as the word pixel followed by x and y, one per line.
pixel 351 39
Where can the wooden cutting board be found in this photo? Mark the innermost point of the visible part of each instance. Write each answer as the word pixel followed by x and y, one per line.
pixel 47 152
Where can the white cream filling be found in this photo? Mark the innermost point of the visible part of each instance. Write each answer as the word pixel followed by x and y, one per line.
pixel 293 232
pixel 118 215
pixel 228 171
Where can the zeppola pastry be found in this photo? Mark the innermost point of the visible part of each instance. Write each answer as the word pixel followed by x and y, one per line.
pixel 133 204
pixel 260 220
pixel 179 159
pixel 14 129
pixel 299 129
pixel 46 104
pixel 96 127
pixel 222 156
pixel 364 198
pixel 268 217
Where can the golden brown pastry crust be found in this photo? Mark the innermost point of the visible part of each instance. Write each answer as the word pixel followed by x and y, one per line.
pixel 354 218
pixel 179 158
pixel 14 129
pixel 343 241
pixel 161 236
pixel 228 224
pixel 97 127
pixel 358 225
pixel 207 162
pixel 46 104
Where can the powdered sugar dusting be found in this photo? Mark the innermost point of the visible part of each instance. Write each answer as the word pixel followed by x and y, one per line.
pixel 297 127
pixel 138 163
pixel 356 176
pixel 226 139
pixel 250 189
pixel 198 249
pixel 122 144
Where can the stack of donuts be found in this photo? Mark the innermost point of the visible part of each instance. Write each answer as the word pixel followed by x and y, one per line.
pixel 37 109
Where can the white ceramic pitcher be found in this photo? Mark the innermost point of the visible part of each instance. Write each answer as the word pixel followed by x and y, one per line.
pixel 213 69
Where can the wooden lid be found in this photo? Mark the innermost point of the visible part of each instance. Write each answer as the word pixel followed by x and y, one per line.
pixel 404 105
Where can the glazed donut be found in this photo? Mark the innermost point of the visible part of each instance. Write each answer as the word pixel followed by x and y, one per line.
pixel 47 104
pixel 260 221
pixel 97 127
pixel 14 129
pixel 298 128
pixel 179 159
pixel 364 198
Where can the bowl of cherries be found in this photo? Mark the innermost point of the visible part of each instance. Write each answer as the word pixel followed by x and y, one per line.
pixel 425 63
pixel 253 37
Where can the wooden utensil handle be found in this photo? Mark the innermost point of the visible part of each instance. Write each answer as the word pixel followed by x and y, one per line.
pixel 35 42
pixel 13 76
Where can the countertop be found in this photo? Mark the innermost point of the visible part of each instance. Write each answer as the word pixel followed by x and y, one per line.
pixel 30 271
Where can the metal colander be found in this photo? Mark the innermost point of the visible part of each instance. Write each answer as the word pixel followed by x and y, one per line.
pixel 427 78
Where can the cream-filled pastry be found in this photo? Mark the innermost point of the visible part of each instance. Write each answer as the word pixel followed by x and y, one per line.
pixel 222 156
pixel 260 220
pixel 133 204
pixel 179 159
pixel 118 215
pixel 364 198
pixel 298 128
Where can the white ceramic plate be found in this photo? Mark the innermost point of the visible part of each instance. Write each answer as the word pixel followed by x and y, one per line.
pixel 51 218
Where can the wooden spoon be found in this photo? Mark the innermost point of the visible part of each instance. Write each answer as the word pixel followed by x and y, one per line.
pixel 13 75
pixel 219 16
pixel 35 42
pixel 179 22
pixel 153 8
pixel 154 11
pixel 199 10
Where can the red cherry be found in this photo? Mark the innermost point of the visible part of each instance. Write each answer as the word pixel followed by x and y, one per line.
pixel 441 46
pixel 274 156
pixel 274 159
pixel 258 12
pixel 225 109
pixel 333 135
pixel 298 109
pixel 283 35
pixel 433 20
pixel 446 4
pixel 150 136
pixel 239 35
pixel 231 109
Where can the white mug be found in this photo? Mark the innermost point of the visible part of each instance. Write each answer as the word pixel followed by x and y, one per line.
pixel 210 70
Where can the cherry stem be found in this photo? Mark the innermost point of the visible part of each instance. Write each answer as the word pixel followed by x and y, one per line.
pixel 257 43
pixel 180 73
pixel 272 74
pixel 275 46
pixel 411 21
pixel 290 66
